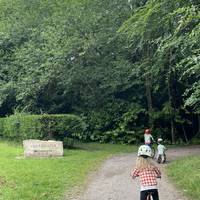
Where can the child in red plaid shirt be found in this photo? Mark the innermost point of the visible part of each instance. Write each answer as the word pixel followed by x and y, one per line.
pixel 147 172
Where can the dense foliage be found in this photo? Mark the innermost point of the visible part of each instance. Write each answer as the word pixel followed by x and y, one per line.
pixel 121 65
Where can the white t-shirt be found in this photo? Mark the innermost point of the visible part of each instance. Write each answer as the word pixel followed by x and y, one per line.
pixel 161 149
pixel 147 138
pixel 149 187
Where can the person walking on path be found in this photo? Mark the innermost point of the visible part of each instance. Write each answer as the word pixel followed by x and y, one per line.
pixel 147 172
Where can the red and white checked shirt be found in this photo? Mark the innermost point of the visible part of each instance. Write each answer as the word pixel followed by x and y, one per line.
pixel 148 177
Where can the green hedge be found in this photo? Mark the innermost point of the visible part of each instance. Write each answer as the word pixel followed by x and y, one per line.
pixel 22 126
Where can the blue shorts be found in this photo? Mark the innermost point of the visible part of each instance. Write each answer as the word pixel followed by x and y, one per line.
pixel 149 145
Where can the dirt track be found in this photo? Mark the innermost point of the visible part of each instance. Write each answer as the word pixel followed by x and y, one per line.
pixel 112 181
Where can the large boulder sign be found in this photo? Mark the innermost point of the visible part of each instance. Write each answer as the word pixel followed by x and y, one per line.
pixel 40 148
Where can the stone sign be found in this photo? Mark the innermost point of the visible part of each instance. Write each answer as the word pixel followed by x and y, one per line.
pixel 39 148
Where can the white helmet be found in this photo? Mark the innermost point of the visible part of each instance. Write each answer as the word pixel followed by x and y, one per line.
pixel 144 150
pixel 160 139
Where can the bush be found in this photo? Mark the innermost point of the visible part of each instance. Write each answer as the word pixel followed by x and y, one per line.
pixel 195 140
pixel 68 142
pixel 1 126
pixel 22 126
pixel 61 126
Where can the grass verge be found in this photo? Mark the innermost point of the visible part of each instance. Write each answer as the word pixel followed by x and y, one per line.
pixel 49 178
pixel 186 175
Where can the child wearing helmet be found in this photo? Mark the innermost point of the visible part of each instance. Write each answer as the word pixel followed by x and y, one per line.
pixel 161 151
pixel 147 172
pixel 148 138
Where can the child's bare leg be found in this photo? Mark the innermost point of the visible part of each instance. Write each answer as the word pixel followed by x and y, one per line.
pixel 163 158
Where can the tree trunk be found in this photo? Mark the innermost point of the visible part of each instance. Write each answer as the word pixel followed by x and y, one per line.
pixel 172 130
pixel 149 99
pixel 184 132
pixel 171 111
pixel 199 123
pixel 198 132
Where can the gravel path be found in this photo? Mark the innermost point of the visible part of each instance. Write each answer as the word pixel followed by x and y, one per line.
pixel 112 181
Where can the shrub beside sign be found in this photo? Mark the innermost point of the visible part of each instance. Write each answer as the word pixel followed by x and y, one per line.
pixel 39 148
pixel 41 127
